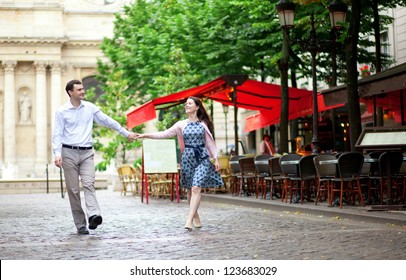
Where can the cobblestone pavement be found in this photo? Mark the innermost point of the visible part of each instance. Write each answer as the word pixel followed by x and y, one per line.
pixel 40 227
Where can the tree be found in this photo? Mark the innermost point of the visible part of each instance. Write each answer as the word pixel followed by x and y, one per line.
pixel 355 40
pixel 113 102
pixel 363 13
pixel 179 75
pixel 212 35
pixel 216 37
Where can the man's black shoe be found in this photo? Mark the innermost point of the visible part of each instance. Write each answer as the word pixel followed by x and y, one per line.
pixel 94 221
pixel 83 230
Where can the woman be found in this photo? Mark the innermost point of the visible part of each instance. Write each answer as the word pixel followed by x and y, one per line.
pixel 266 146
pixel 195 137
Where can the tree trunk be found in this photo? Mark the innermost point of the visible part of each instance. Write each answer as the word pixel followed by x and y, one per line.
pixel 283 67
pixel 378 59
pixel 354 110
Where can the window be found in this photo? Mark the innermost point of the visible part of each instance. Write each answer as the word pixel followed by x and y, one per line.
pixel 385 46
pixel 92 82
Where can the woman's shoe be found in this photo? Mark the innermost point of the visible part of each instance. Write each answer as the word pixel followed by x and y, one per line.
pixel 188 226
pixel 197 223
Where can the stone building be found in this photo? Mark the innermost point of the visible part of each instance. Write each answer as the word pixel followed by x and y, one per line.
pixel 43 44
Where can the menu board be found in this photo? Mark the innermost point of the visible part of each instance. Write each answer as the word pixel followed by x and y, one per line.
pixel 159 156
pixel 382 138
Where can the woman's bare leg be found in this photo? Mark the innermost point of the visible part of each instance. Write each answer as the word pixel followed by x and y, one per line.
pixel 196 218
pixel 194 202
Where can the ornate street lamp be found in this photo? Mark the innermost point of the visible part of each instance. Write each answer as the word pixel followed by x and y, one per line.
pixel 338 12
pixel 286 13
pixel 225 111
pixel 286 16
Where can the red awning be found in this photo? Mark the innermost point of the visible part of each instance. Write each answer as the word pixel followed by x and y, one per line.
pixel 147 111
pixel 251 95
pixel 296 110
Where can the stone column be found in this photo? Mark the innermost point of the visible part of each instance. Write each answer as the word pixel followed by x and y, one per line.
pixel 41 118
pixel 56 88
pixel 9 113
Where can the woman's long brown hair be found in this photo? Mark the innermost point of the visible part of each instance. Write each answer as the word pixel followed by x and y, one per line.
pixel 202 113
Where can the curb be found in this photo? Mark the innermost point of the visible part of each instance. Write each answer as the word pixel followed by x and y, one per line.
pixel 357 213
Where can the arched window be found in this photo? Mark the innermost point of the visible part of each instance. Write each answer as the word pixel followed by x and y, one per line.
pixel 92 82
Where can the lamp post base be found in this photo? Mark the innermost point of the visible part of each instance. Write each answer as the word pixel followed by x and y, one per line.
pixel 315 146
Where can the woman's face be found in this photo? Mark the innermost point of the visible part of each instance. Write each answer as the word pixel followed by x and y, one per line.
pixel 190 106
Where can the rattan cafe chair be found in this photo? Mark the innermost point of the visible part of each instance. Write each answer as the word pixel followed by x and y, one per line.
pixel 247 180
pixel 262 166
pixel 235 171
pixel 128 178
pixel 275 179
pixel 288 171
pixel 306 179
pixel 324 174
pixel 347 184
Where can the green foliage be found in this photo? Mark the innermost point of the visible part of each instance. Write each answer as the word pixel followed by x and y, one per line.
pixel 113 102
pixel 137 163
pixel 216 38
pixel 179 76
pixel 219 37
pixel 164 46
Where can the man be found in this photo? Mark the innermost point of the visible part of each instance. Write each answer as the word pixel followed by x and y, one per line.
pixel 72 147
pixel 266 146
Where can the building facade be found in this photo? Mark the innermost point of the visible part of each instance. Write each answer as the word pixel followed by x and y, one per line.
pixel 43 44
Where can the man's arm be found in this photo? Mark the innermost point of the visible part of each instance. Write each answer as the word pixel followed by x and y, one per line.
pixel 106 121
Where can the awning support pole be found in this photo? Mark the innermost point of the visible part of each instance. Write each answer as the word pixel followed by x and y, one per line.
pixel 402 109
pixel 235 120
pixel 374 97
pixel 235 80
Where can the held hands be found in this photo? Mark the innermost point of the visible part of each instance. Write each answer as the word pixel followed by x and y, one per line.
pixel 138 135
pixel 134 136
pixel 131 137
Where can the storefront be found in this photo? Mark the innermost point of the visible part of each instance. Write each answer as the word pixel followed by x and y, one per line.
pixel 385 90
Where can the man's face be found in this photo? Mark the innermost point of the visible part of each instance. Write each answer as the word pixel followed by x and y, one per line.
pixel 78 92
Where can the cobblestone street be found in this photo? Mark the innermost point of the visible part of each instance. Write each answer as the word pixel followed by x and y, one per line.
pixel 40 227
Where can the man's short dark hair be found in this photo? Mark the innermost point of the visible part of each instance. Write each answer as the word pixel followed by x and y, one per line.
pixel 70 85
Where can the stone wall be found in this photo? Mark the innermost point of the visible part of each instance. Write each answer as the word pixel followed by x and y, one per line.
pixel 32 186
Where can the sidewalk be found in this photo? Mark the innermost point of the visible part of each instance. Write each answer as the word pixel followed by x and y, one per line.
pixel 347 212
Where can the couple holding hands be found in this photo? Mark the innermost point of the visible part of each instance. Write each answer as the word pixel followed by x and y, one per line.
pixel 72 147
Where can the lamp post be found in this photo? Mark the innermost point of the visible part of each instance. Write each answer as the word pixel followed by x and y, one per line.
pixel 286 13
pixel 234 80
pixel 225 111
pixel 313 49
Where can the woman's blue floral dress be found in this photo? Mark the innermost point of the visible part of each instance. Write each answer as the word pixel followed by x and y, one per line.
pixel 196 167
